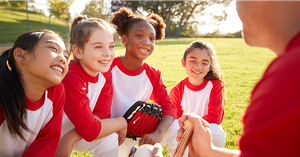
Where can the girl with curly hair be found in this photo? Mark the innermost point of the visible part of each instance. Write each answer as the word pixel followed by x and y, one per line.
pixel 203 91
pixel 134 80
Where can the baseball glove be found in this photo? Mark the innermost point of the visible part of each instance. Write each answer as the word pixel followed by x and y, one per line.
pixel 142 118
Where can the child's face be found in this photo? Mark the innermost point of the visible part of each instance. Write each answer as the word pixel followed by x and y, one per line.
pixel 98 52
pixel 197 65
pixel 48 63
pixel 140 41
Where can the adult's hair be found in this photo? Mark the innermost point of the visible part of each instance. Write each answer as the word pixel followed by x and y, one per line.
pixel 215 73
pixel 124 19
pixel 12 94
pixel 81 28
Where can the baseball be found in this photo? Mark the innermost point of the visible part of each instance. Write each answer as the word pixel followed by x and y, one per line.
pixel 144 151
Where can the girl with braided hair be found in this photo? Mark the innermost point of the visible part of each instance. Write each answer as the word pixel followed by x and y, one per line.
pixel 134 80
pixel 87 126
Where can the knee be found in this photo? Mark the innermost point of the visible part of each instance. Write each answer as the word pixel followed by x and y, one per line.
pixel 218 135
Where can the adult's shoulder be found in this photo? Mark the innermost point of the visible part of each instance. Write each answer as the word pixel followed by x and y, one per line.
pixel 285 65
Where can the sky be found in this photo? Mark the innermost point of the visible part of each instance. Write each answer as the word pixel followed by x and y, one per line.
pixel 232 24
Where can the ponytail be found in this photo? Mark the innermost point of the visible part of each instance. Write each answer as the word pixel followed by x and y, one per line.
pixel 81 28
pixel 12 93
pixel 12 96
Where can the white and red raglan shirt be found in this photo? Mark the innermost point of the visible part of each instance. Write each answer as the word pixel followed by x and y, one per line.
pixel 205 100
pixel 138 85
pixel 44 119
pixel 86 96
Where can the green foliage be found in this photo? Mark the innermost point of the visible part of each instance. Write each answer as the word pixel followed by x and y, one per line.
pixel 180 13
pixel 216 34
pixel 20 4
pixel 14 23
pixel 94 9
pixel 60 8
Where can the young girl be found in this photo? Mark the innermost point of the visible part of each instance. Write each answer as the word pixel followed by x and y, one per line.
pixel 134 80
pixel 31 95
pixel 89 92
pixel 203 91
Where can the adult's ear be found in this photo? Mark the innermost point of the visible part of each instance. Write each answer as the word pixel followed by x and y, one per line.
pixel 78 52
pixel 183 63
pixel 19 55
pixel 124 39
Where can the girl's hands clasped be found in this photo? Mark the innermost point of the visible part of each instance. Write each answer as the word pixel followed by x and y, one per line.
pixel 201 141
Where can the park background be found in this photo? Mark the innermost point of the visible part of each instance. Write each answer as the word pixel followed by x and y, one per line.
pixel 215 21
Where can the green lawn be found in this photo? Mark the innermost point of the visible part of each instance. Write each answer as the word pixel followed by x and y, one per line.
pixel 13 22
pixel 241 64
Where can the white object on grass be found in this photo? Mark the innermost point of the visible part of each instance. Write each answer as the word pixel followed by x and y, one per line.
pixel 144 151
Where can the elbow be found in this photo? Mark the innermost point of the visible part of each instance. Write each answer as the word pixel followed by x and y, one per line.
pixel 88 138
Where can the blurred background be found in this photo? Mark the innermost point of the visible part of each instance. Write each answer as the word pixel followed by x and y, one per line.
pixel 189 18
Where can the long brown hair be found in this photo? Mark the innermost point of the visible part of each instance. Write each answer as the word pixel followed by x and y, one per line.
pixel 215 73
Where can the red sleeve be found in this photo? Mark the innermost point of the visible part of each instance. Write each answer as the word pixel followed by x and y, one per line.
pixel 103 106
pixel 77 106
pixel 47 140
pixel 271 122
pixel 160 93
pixel 176 97
pixel 215 106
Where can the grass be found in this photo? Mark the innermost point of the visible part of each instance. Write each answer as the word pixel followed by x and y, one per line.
pixel 241 64
pixel 13 22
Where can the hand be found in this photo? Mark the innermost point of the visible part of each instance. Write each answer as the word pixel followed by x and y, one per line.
pixel 201 141
pixel 152 138
pixel 157 150
pixel 66 143
pixel 122 135
pixel 64 148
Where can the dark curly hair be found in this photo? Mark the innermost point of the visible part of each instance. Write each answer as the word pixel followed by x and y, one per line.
pixel 124 19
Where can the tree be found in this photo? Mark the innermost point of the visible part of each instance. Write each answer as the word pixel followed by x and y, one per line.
pixel 60 8
pixel 166 9
pixel 96 8
pixel 179 12
pixel 18 3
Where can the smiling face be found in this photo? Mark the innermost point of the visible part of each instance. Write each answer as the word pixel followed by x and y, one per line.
pixel 98 52
pixel 48 63
pixel 140 41
pixel 197 65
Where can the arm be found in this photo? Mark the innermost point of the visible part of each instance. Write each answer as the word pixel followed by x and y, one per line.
pixel 67 141
pixel 159 133
pixel 47 139
pixel 77 107
pixel 102 109
pixel 176 97
pixel 215 106
pixel 161 97
pixel 103 105
pixel 200 144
